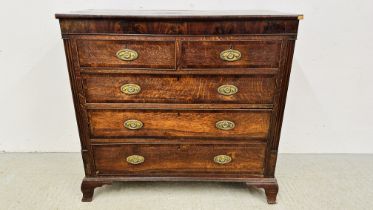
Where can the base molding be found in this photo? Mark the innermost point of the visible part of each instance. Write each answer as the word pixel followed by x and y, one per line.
pixel 269 185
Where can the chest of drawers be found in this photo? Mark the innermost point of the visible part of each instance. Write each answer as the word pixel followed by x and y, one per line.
pixel 179 95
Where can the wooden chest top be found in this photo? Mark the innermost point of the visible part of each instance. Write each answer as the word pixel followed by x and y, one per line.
pixel 179 22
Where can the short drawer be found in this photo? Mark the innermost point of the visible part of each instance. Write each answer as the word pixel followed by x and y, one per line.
pixel 180 123
pixel 258 89
pixel 126 53
pixel 230 54
pixel 179 159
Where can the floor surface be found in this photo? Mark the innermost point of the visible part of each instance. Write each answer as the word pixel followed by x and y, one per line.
pixel 41 181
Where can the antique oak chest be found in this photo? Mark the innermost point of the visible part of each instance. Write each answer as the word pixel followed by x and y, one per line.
pixel 179 95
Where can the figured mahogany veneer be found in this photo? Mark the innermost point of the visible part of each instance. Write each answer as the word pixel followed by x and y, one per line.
pixel 180 89
pixel 180 159
pixel 205 54
pixel 179 95
pixel 101 53
pixel 169 123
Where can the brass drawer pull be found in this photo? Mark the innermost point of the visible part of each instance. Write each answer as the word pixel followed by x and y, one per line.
pixel 230 55
pixel 135 159
pixel 225 125
pixel 227 90
pixel 222 159
pixel 127 54
pixel 133 124
pixel 130 89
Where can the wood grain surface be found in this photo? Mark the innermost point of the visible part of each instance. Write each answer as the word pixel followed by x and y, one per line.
pixel 206 54
pixel 179 160
pixel 180 89
pixel 179 27
pixel 179 70
pixel 195 123
pixel 102 53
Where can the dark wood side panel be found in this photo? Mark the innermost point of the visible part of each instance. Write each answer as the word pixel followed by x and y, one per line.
pixel 182 123
pixel 102 53
pixel 255 89
pixel 79 105
pixel 206 54
pixel 279 107
pixel 221 27
pixel 179 159
pixel 283 80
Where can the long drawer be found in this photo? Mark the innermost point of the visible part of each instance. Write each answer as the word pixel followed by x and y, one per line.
pixel 180 123
pixel 179 159
pixel 258 89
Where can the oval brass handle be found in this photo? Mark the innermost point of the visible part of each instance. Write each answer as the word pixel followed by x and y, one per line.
pixel 230 55
pixel 222 159
pixel 135 159
pixel 127 54
pixel 130 89
pixel 225 125
pixel 227 90
pixel 133 124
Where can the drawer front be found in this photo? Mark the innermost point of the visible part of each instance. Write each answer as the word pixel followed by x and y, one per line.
pixel 230 54
pixel 126 53
pixel 182 123
pixel 179 159
pixel 180 89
